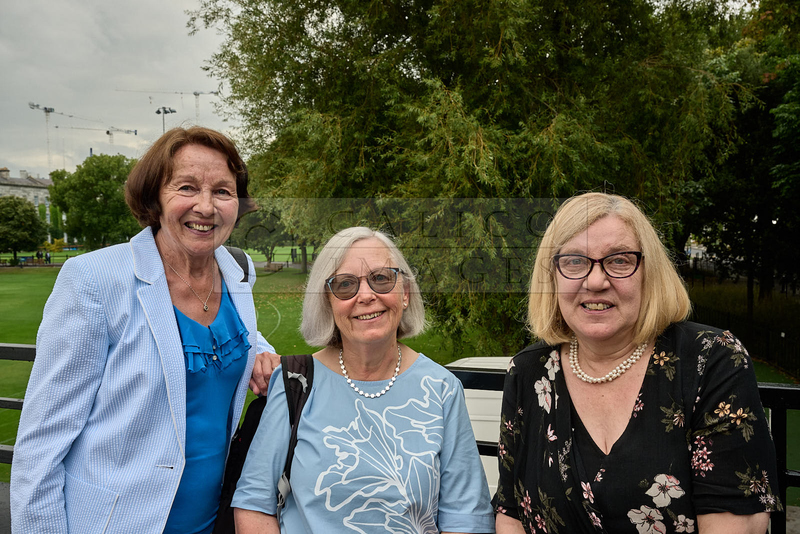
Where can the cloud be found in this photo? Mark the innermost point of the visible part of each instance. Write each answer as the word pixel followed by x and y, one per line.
pixel 99 64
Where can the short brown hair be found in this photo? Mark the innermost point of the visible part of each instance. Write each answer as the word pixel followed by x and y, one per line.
pixel 156 166
pixel 664 296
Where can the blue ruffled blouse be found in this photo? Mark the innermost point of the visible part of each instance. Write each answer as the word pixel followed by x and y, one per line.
pixel 215 361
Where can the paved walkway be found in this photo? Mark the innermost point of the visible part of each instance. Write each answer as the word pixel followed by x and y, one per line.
pixel 5 513
pixel 793 520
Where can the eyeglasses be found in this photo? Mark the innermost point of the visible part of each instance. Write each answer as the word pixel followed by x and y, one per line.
pixel 617 265
pixel 345 286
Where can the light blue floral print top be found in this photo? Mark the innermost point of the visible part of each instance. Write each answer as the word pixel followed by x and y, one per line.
pixel 405 462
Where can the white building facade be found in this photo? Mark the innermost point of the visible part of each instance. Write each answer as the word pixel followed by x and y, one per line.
pixel 26 186
pixel 33 189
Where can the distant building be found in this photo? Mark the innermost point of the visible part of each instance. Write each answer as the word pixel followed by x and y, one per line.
pixel 27 187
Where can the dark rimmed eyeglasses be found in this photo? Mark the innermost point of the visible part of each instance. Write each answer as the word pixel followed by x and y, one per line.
pixel 345 286
pixel 617 265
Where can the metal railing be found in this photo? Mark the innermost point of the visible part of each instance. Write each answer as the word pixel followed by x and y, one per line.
pixel 25 353
pixel 778 398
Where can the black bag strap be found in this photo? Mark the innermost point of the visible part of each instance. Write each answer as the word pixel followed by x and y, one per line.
pixel 241 258
pixel 298 377
pixel 298 371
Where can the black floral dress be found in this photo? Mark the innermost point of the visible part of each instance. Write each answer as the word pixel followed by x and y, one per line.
pixel 697 442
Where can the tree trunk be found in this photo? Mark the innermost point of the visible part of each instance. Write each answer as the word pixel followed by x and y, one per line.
pixel 304 259
pixel 750 280
pixel 766 267
pixel 766 283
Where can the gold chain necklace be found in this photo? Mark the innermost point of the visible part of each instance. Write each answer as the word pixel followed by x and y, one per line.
pixel 204 302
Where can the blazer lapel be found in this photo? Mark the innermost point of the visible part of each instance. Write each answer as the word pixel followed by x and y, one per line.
pixel 157 306
pixel 242 296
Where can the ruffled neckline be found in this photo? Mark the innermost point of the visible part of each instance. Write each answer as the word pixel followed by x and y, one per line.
pixel 215 346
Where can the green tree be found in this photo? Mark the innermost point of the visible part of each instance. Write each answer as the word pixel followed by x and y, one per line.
pixel 785 171
pixel 474 99
pixel 262 230
pixel 94 201
pixel 20 225
pixel 56 229
pixel 57 226
pixel 746 207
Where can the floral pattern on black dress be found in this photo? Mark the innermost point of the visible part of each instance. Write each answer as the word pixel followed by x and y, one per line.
pixel 697 442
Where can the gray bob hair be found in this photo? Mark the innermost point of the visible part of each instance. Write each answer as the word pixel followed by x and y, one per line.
pixel 318 327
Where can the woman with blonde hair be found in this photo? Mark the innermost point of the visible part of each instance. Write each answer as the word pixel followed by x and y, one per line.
pixel 625 417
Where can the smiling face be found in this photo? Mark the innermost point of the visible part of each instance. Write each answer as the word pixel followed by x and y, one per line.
pixel 369 317
pixel 598 308
pixel 198 204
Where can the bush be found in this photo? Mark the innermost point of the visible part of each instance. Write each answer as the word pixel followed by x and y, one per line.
pixel 56 246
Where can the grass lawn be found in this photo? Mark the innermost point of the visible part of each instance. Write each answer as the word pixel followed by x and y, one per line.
pixel 278 299
pixel 780 312
pixel 23 293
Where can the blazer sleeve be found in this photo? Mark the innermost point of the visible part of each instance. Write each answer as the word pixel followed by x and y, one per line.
pixel 71 353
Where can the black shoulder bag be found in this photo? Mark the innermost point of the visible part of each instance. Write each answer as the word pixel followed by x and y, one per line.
pixel 298 376
pixel 241 258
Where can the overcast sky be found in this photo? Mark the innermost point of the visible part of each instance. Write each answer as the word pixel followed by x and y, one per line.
pixel 111 62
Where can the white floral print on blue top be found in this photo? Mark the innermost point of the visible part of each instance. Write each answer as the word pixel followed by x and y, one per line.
pixel 402 463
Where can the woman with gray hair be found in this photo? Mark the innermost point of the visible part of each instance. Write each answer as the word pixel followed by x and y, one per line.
pixel 384 442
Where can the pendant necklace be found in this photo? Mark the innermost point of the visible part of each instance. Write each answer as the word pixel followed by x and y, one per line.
pixel 611 375
pixel 204 302
pixel 384 390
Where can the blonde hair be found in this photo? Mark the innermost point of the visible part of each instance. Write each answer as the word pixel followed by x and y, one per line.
pixel 318 327
pixel 664 296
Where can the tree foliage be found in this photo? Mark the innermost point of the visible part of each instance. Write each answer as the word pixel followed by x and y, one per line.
pixel 20 225
pixel 93 199
pixel 469 98
pixel 262 230
pixel 746 208
pixel 57 225
pixel 475 99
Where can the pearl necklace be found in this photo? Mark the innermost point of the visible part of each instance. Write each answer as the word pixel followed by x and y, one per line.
pixel 384 390
pixel 611 375
pixel 205 303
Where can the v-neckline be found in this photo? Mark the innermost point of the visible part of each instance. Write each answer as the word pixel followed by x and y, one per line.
pixel 575 416
pixel 224 292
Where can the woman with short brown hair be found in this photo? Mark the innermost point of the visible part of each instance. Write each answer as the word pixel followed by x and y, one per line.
pixel 143 358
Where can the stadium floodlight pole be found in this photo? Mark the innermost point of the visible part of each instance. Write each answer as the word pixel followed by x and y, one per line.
pixel 163 111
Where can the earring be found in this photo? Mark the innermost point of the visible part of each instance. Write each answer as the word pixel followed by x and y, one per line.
pixel 405 305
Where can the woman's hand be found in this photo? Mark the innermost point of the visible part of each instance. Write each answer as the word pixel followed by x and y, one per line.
pixel 728 523
pixel 266 362
pixel 252 522
pixel 507 525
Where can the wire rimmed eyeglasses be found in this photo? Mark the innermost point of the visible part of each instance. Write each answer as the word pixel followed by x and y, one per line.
pixel 617 265
pixel 346 286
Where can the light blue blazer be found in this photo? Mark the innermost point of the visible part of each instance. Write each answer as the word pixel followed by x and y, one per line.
pixel 101 440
